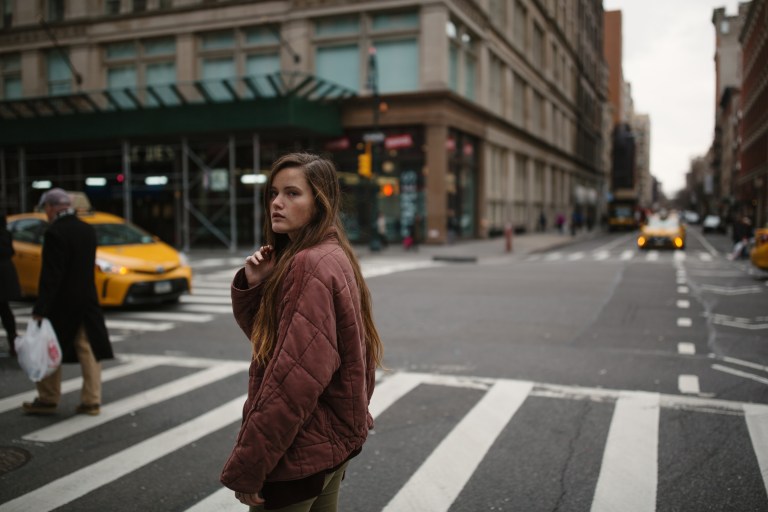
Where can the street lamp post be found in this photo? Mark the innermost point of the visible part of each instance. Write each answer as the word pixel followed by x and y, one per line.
pixel 373 79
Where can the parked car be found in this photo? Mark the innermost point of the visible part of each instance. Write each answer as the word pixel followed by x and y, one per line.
pixel 713 224
pixel 132 266
pixel 662 231
pixel 759 254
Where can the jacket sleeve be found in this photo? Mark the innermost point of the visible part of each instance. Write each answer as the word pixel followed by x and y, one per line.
pixel 55 263
pixel 245 301
pixel 305 358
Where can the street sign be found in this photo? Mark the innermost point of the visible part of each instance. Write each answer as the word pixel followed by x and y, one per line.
pixel 373 137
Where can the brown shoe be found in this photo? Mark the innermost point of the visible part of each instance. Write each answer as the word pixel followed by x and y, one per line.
pixel 89 409
pixel 39 408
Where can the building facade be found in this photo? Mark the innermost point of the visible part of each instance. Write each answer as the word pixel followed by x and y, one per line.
pixel 751 182
pixel 474 114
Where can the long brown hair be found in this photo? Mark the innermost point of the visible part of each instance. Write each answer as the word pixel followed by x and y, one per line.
pixel 321 175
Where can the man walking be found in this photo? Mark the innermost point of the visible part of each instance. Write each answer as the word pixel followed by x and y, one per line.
pixel 67 297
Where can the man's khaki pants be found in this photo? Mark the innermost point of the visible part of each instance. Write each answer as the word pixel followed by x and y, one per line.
pixel 49 389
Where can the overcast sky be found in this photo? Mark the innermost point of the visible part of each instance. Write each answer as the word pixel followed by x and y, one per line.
pixel 669 49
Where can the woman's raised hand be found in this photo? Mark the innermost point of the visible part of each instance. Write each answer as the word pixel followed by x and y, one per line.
pixel 259 265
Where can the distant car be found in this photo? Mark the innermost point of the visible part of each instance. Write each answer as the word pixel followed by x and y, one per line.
pixel 662 232
pixel 132 266
pixel 691 217
pixel 759 254
pixel 713 224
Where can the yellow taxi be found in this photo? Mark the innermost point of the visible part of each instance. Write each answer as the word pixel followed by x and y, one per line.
pixel 759 254
pixel 132 266
pixel 662 231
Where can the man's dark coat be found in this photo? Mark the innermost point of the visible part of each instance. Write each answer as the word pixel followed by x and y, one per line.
pixel 67 292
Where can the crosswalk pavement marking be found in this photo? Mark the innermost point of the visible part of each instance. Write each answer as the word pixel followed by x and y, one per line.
pixel 79 483
pixel 387 392
pixel 757 424
pixel 652 256
pixel 628 474
pixel 170 315
pixel 601 255
pixel 191 299
pixel 576 256
pixel 440 479
pixel 78 424
pixel 627 255
pixel 115 372
pixel 206 308
pixel 132 325
pixel 215 292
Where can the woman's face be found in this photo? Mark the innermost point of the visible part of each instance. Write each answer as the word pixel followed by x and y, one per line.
pixel 291 203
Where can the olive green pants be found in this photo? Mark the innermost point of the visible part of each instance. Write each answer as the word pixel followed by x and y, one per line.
pixel 327 501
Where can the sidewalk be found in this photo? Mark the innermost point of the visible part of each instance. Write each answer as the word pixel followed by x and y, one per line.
pixel 461 251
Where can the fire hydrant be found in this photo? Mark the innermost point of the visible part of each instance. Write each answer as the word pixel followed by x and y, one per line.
pixel 508 237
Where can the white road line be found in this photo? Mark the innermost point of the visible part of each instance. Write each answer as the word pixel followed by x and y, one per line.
pixel 576 256
pixel 682 289
pixel 128 324
pixel 739 373
pixel 75 485
pixel 705 256
pixel 684 322
pixel 440 479
pixel 601 255
pixel 206 308
pixel 628 474
pixel 202 291
pixel 678 256
pixel 682 280
pixel 652 256
pixel 78 424
pixel 688 384
pixel 748 364
pixel 553 256
pixel 686 348
pixel 703 241
pixel 191 299
pixel 111 373
pixel 757 424
pixel 627 255
pixel 168 315
pixel 614 243
pixel 683 304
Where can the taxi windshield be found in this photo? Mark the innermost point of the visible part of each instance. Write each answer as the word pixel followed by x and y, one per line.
pixel 121 234
pixel 663 222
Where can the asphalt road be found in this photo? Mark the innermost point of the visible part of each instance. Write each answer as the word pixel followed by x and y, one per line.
pixel 589 377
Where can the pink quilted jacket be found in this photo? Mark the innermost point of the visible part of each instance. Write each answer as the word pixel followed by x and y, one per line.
pixel 307 411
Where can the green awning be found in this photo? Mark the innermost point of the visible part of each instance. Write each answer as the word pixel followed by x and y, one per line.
pixel 294 103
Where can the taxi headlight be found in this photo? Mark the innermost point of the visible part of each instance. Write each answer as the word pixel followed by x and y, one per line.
pixel 678 242
pixel 641 241
pixel 110 268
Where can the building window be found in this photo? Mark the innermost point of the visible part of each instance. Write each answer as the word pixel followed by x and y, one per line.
pixel 339 64
pixel 520 24
pixel 398 65
pixel 139 5
pixel 218 40
pixel 395 21
pixel 462 60
pixel 144 69
pixel 55 11
pixel 537 47
pixel 498 12
pixel 7 11
pixel 495 86
pixel 59 74
pixel 10 74
pixel 518 100
pixel 340 26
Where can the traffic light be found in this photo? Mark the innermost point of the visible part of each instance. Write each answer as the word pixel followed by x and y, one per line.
pixel 364 163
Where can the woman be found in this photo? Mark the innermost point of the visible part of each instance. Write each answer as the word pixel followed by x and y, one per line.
pixel 302 302
pixel 9 285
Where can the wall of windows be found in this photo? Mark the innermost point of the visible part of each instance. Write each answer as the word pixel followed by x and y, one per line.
pixel 462 60
pixel 342 50
pixel 133 65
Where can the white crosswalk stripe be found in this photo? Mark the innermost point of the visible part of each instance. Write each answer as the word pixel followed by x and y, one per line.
pixel 625 255
pixel 628 474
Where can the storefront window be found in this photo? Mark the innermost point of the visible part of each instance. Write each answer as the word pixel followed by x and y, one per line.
pixel 461 183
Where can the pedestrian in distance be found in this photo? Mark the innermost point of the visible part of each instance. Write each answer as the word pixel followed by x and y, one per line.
pixel 302 302
pixel 67 297
pixel 381 229
pixel 9 285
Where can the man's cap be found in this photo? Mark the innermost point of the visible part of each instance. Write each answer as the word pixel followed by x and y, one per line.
pixel 55 197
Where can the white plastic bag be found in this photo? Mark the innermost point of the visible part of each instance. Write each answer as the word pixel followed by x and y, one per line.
pixel 39 352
